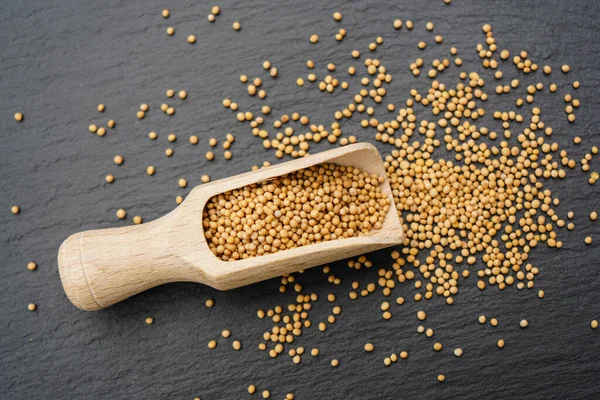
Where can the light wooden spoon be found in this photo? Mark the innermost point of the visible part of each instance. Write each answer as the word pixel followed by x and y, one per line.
pixel 99 268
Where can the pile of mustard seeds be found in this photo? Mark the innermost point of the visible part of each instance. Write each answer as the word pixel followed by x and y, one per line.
pixel 312 205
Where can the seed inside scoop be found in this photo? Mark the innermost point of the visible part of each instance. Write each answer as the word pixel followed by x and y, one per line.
pixel 312 205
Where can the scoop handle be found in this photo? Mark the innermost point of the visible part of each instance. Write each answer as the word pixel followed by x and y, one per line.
pixel 99 268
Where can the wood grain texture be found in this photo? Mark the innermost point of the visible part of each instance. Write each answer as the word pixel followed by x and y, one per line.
pixel 99 268
pixel 61 58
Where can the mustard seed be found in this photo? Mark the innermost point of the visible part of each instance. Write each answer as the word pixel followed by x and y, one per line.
pixel 335 363
pixel 150 170
pixel 587 240
pixel 182 94
pixel 441 378
pixel 141 114
pixel 212 344
pixel 594 324
pixel 18 117
pixel 226 333
pixel 337 16
pixel 236 345
pixel 93 128
pixel 182 183
pixel 314 38
pixel 149 321
pixel 32 266
pixel 524 323
pixel 500 343
pixel 565 68
pixel 237 26
pixel 101 132
pixel 194 139
pixel 165 13
pixel 118 160
pixel 210 155
pixel 178 199
pixel 209 303
pixel 172 137
pixel 369 347
pixel 266 394
pixel 251 389
pixel 15 210
pixel 121 214
pixel 458 352
pixel 205 179
pixel 32 307
pixel 109 179
pixel 101 107
pixel 170 31
pixel 170 93
pixel 215 10
pixel 137 220
pixel 191 39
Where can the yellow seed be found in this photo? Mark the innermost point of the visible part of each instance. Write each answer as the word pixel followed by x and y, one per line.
pixel 524 323
pixel 212 344
pixel 179 199
pixel 458 352
pixel 31 307
pixel 101 132
pixel 227 154
pixel 500 343
pixel 369 347
pixel 205 179
pixel 215 10
pixel 137 220
pixel 236 345
pixel 93 128
pixel 109 179
pixel 172 137
pixel 182 183
pixel 182 94
pixel 437 346
pixel 100 107
pixel 587 240
pixel 335 363
pixel 144 107
pixel 403 355
pixel 314 38
pixel 15 210
pixel 149 320
pixel 494 322
pixel 397 24
pixel 32 266
pixel 314 352
pixel 118 160
pixel 165 13
pixel 209 303
pixel 194 139
pixel 251 389
pixel 170 31
pixel 266 394
pixel 210 156
pixel 170 93
pixel 121 214
pixel 226 333
pixel 421 315
pixel 141 114
pixel 594 324
pixel 191 39
pixel 337 16
pixel 237 26
pixel 482 319
pixel 441 378
pixel 300 82
pixel 150 170
pixel 19 117
pixel 565 68
pixel 593 215
pixel 212 142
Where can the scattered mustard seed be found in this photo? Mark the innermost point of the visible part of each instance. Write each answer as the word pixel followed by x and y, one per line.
pixel 109 179
pixel 191 39
pixel 32 266
pixel 31 307
pixel 149 320
pixel 594 324
pixel 15 210
pixel 19 117
pixel 118 160
pixel 369 347
pixel 165 13
pixel 209 303
pixel 212 344
pixel 137 220
pixel 150 170
pixel 121 214
pixel 236 26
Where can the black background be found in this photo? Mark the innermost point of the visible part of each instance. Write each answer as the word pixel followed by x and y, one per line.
pixel 60 59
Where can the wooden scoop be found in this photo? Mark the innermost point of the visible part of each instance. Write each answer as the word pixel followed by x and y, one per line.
pixel 102 267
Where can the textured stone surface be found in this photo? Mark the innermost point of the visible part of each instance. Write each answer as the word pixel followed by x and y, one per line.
pixel 60 59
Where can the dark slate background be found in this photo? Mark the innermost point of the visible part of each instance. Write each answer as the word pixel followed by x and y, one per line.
pixel 59 59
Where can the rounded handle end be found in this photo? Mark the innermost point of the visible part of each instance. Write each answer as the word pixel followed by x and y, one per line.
pixel 72 274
